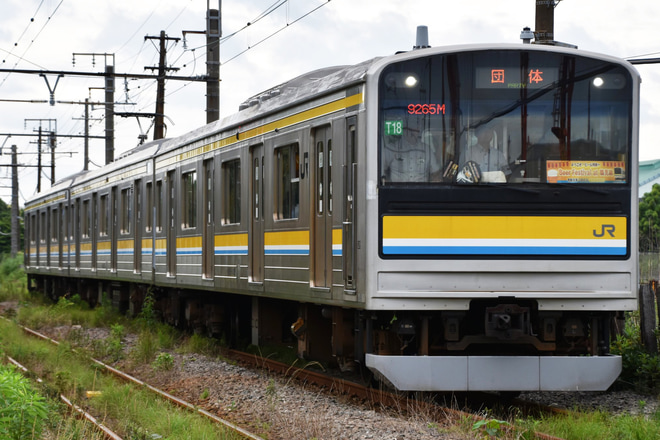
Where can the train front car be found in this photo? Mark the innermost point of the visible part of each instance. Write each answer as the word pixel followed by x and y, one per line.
pixel 505 195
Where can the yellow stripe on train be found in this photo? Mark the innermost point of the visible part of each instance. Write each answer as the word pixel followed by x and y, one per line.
pixel 505 235
pixel 522 227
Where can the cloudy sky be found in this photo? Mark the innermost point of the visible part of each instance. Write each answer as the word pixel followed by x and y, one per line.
pixel 295 37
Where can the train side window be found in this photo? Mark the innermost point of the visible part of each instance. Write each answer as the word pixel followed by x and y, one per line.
pixel 85 219
pixel 103 216
pixel 66 227
pixel 232 195
pixel 126 210
pixel 33 229
pixel 42 228
pixel 189 205
pixel 150 207
pixel 54 225
pixel 287 182
pixel 159 206
pixel 329 166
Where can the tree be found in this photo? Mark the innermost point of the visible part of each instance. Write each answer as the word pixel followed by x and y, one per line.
pixel 5 229
pixel 649 220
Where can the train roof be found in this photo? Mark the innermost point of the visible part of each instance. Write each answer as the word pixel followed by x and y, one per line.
pixel 127 159
pixel 316 83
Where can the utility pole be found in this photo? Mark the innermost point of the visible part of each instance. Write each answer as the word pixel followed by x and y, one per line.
pixel 213 34
pixel 159 124
pixel 86 158
pixel 110 112
pixel 39 162
pixel 14 202
pixel 52 136
pixel 545 21
pixel 109 101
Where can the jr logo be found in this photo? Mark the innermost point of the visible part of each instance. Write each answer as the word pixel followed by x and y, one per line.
pixel 603 229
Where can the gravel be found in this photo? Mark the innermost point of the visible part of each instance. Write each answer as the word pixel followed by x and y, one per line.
pixel 279 408
pixel 276 407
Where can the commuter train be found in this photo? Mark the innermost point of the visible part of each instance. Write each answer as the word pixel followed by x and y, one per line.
pixel 457 218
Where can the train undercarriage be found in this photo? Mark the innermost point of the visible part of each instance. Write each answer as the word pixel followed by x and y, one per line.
pixel 341 336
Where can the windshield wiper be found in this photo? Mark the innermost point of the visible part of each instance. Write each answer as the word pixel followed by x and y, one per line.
pixel 584 188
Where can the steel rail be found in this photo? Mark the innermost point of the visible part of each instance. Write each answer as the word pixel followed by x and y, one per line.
pixel 382 397
pixel 227 424
pixel 90 418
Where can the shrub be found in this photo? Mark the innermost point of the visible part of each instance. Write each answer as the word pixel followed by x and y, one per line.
pixel 164 361
pixel 22 410
pixel 641 369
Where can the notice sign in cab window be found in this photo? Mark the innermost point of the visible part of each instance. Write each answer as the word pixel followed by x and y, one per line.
pixel 590 171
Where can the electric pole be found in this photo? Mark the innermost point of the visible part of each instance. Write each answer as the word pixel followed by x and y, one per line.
pixel 14 202
pixel 213 34
pixel 159 124
pixel 545 21
pixel 39 162
pixel 110 112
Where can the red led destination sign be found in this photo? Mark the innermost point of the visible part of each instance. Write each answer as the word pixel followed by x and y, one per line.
pixel 514 77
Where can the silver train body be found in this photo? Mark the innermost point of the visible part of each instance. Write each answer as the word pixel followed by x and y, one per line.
pixel 306 218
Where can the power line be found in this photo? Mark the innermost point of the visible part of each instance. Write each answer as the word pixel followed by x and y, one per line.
pixel 277 32
pixel 34 39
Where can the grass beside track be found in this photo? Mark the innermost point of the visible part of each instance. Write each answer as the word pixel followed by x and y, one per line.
pixel 130 411
pixel 74 375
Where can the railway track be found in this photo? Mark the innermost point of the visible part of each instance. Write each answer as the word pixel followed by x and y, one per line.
pixel 239 431
pixel 386 399
pixel 379 399
pixel 107 432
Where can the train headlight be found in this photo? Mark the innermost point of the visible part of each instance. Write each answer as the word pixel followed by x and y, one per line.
pixel 410 81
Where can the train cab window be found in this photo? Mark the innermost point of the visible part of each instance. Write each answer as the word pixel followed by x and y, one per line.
pixel 159 205
pixel 103 216
pixel 287 182
pixel 505 117
pixel 126 210
pixel 232 194
pixel 189 186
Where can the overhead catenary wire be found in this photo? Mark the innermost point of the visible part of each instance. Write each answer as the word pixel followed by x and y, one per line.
pixel 22 56
pixel 139 90
pixel 276 32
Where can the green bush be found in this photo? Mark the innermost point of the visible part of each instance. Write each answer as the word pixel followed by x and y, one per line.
pixel 13 282
pixel 641 370
pixel 164 362
pixel 22 410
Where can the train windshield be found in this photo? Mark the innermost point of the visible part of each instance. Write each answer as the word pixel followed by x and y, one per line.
pixel 507 117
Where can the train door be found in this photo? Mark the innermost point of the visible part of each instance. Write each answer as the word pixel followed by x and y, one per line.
pixel 322 208
pixel 171 223
pixel 92 216
pixel 53 237
pixel 256 236
pixel 348 227
pixel 30 240
pixel 64 238
pixel 208 233
pixel 41 245
pixel 77 232
pixel 114 228
pixel 137 230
